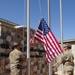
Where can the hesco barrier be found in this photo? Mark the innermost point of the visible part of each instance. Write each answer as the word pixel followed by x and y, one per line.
pixel 38 64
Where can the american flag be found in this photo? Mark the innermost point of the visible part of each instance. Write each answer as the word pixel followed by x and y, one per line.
pixel 45 36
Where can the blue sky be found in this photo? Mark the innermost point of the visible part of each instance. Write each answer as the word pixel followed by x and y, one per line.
pixel 15 11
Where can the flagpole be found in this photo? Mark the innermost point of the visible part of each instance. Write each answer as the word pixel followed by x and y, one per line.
pixel 50 69
pixel 61 27
pixel 28 36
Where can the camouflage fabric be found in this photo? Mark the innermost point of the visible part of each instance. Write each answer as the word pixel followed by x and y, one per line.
pixel 16 59
pixel 67 60
pixel 15 71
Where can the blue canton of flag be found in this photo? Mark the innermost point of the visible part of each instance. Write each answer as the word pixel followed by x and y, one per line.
pixel 51 45
pixel 44 27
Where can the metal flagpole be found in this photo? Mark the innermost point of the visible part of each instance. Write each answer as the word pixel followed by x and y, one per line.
pixel 61 28
pixel 28 36
pixel 50 69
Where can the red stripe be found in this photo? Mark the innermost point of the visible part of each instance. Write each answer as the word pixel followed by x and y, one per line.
pixel 54 42
pixel 48 60
pixel 48 56
pixel 51 45
pixel 38 39
pixel 39 35
pixel 46 45
pixel 57 43
pixel 47 51
pixel 39 32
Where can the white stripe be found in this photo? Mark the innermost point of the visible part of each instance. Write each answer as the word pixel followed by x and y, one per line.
pixel 48 59
pixel 51 54
pixel 48 54
pixel 38 38
pixel 53 44
pixel 37 33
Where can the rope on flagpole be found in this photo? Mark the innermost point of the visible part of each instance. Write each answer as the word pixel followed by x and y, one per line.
pixel 40 8
pixel 25 13
pixel 24 20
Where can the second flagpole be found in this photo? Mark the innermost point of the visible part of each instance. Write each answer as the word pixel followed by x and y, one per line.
pixel 28 37
pixel 61 30
pixel 49 23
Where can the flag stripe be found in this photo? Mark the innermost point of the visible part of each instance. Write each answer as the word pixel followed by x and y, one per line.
pixel 57 44
pixel 51 45
pixel 39 36
pixel 54 44
pixel 50 50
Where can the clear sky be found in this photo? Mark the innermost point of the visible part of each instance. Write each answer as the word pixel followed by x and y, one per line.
pixel 15 11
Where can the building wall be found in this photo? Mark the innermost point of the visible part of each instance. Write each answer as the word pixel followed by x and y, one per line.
pixel 8 36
